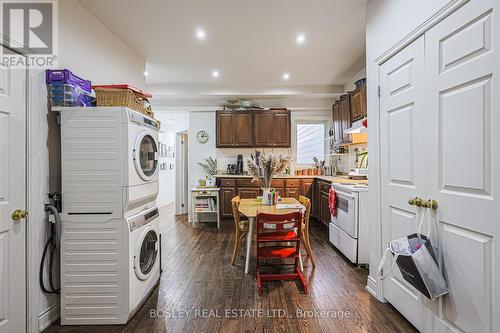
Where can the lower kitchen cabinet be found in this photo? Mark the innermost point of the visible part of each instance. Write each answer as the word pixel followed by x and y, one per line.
pixel 324 204
pixel 248 193
pixel 226 194
pixel 292 193
pixel 290 187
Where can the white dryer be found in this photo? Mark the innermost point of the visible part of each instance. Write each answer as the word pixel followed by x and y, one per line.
pixel 142 162
pixel 109 160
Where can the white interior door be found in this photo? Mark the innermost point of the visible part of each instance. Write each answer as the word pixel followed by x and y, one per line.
pixel 440 139
pixel 462 94
pixel 403 175
pixel 12 197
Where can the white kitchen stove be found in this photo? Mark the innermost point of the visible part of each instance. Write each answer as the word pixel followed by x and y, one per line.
pixel 348 230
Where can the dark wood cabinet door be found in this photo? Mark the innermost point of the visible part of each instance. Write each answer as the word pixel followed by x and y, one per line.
pixel 248 192
pixel 325 208
pixel 242 129
pixel 314 199
pixel 281 129
pixel 345 115
pixel 306 188
pixel 358 103
pixel 224 129
pixel 337 122
pixel 226 194
pixel 262 128
pixel 292 193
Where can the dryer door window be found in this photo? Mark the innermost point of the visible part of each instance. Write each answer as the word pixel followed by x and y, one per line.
pixel 146 254
pixel 147 156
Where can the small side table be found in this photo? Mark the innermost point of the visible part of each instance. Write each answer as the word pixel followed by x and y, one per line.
pixel 205 200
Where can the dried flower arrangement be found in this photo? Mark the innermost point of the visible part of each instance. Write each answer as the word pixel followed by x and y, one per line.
pixel 267 167
pixel 209 166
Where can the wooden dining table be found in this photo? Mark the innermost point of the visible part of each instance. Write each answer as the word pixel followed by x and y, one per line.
pixel 250 207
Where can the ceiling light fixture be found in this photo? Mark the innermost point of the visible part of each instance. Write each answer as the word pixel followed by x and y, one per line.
pixel 300 39
pixel 146 73
pixel 200 34
pixel 215 73
pixel 286 76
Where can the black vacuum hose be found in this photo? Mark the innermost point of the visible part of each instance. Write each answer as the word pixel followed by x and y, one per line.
pixel 51 247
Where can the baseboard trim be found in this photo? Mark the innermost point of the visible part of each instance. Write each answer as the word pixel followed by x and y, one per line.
pixel 371 287
pixel 50 315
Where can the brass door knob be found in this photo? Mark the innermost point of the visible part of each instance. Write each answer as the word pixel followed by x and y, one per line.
pixel 19 214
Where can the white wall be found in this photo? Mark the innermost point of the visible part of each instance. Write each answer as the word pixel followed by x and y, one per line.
pixel 89 50
pixel 171 124
pixel 388 22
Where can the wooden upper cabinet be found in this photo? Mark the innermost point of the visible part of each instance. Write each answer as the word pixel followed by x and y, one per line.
pixel 281 129
pixel 253 128
pixel 262 128
pixel 337 122
pixel 358 103
pixel 345 116
pixel 242 129
pixel 224 129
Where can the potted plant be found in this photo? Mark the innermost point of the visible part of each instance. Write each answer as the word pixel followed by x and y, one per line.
pixel 209 165
pixel 266 167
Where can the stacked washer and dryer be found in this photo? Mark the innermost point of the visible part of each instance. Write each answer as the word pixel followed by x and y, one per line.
pixel 110 239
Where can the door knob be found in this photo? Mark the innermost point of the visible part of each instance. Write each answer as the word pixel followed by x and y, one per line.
pixel 419 202
pixel 19 214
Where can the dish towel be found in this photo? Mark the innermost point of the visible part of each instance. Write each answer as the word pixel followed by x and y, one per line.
pixel 333 202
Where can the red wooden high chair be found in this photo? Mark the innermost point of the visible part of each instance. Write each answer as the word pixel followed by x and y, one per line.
pixel 284 231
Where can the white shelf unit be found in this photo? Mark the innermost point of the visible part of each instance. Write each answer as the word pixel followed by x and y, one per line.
pixel 205 200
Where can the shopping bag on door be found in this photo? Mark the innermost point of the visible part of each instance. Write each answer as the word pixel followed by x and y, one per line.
pixel 416 260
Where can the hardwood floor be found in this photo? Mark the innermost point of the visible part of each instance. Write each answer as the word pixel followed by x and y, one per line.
pixel 198 286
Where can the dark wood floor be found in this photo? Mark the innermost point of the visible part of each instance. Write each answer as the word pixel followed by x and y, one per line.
pixel 198 278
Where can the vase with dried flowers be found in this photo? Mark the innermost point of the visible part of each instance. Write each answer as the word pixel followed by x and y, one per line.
pixel 266 167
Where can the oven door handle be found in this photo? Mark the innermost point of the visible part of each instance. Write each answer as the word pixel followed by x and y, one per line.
pixel 349 196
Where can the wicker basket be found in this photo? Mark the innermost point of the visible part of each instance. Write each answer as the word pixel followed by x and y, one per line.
pixel 122 97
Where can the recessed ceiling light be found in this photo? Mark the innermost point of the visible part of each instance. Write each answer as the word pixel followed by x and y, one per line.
pixel 170 121
pixel 300 39
pixel 200 34
pixel 286 76
pixel 215 73
pixel 146 73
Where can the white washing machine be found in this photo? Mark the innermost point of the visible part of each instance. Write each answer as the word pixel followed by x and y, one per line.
pixel 144 256
pixel 108 266
pixel 109 160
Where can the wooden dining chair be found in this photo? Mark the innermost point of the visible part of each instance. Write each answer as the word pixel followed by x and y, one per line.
pixel 304 234
pixel 240 226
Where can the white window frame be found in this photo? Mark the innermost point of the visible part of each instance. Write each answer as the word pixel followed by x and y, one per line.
pixel 294 143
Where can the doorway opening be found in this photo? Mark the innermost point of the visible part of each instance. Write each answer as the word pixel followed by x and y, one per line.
pixel 181 179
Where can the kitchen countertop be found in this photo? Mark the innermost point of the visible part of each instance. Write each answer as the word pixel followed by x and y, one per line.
pixel 331 179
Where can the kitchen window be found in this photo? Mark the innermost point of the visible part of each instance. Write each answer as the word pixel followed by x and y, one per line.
pixel 310 142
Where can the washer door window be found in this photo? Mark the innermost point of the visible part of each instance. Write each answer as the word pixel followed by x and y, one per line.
pixel 146 254
pixel 146 156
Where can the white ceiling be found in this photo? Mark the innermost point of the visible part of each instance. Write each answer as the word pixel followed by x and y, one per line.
pixel 250 42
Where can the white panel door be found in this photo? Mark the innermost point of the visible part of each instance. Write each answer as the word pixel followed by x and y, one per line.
pixel 12 197
pixel 403 171
pixel 462 95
